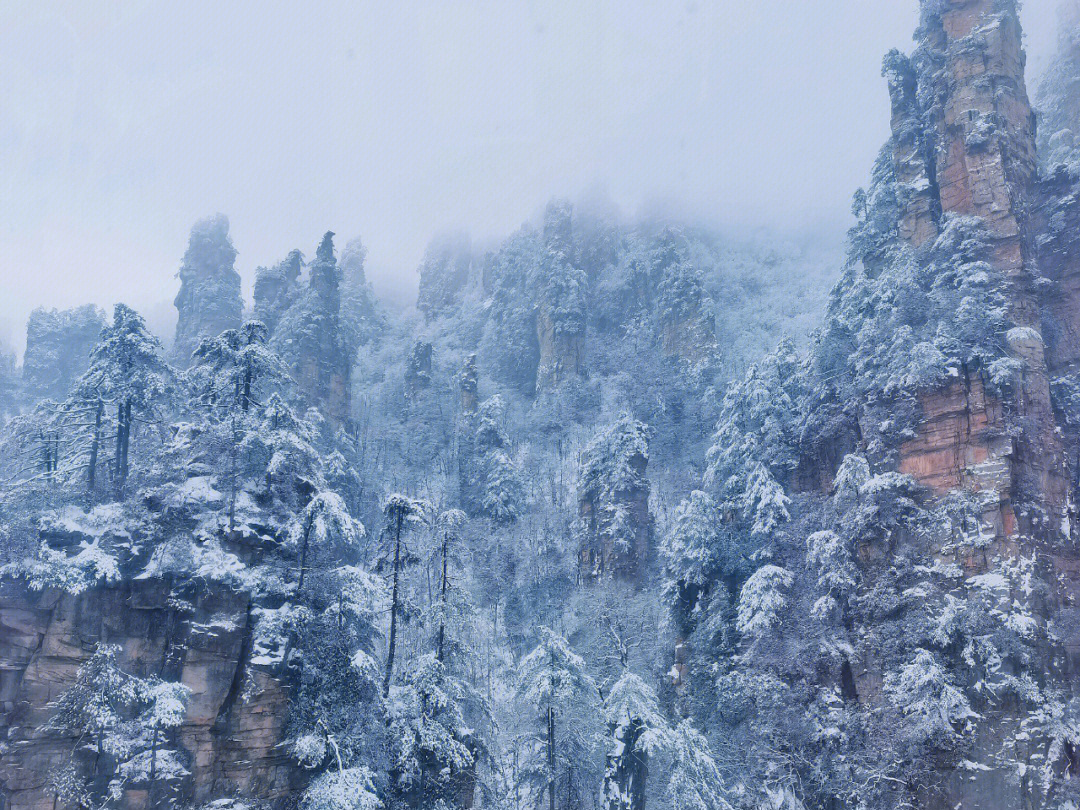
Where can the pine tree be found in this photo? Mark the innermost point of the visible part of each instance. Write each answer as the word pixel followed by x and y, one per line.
pixel 637 731
pixel 433 747
pixel 400 514
pixel 126 373
pixel 695 782
pixel 555 687
pixel 126 717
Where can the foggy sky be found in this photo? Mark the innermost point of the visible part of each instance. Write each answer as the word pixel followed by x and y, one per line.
pixel 123 122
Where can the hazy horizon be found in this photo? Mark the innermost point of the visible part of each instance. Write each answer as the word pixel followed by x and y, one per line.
pixel 124 123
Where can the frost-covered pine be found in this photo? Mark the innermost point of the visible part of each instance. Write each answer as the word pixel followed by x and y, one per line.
pixel 691 547
pixel 326 534
pixel 126 382
pixel 763 600
pixel 342 789
pixel 695 782
pixel 450 613
pixel 758 424
pixel 491 481
pixel 837 577
pixel 936 710
pixel 400 514
pixel 282 449
pixel 637 731
pixel 555 688
pixel 432 747
pixel 127 720
pixel 764 502
pixel 236 370
pixel 336 713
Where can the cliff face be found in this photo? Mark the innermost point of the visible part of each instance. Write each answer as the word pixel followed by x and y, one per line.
pixel 613 503
pixel 276 287
pixel 230 741
pixel 312 336
pixel 209 300
pixel 964 145
pixel 560 315
pixel 58 344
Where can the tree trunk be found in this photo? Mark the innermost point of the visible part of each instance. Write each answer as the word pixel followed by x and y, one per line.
pixel 94 445
pixel 245 398
pixel 551 757
pixel 119 441
pixel 303 553
pixel 234 474
pixel 153 769
pixel 127 441
pixel 442 595
pixel 394 604
pixel 624 782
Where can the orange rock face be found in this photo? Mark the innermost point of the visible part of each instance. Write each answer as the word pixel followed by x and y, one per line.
pixel 961 430
pixel 963 442
pixel 968 148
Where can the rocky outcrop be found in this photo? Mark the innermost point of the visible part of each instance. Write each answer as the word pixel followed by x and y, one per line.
pixel 311 336
pixel 1058 96
pixel 962 444
pixel 276 288
pixel 418 369
pixel 444 273
pixel 209 300
pixel 964 144
pixel 58 344
pixel 469 385
pixel 199 634
pixel 687 317
pixel 613 490
pixel 560 315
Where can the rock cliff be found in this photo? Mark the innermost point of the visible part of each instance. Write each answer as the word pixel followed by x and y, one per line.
pixel 209 300
pixel 964 145
pixel 58 344
pixel 201 636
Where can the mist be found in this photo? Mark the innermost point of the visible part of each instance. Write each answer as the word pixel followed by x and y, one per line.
pixel 124 122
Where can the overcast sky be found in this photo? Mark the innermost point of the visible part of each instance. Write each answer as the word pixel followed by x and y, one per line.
pixel 123 122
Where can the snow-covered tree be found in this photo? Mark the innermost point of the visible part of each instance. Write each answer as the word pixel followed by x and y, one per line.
pixel 837 576
pixel 695 782
pixel 342 789
pixel 692 547
pixel 327 534
pixel 763 600
pixel 637 731
pixel 936 710
pixel 433 748
pixel 128 375
pixel 555 688
pixel 613 490
pixel 491 482
pixel 401 514
pixel 127 719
